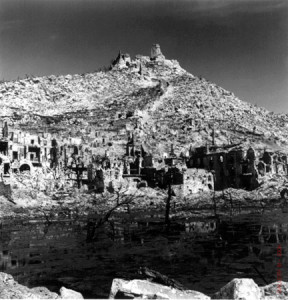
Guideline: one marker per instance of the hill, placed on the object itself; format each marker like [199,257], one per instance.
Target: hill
[156,99]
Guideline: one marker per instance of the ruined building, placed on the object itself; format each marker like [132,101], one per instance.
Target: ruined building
[122,60]
[161,172]
[235,167]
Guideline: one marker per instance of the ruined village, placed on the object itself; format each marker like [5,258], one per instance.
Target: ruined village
[147,140]
[139,136]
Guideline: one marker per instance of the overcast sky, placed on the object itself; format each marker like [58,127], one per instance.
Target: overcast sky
[242,45]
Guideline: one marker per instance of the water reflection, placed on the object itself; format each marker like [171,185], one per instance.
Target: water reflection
[201,226]
[202,253]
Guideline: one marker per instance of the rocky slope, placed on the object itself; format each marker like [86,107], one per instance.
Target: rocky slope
[162,102]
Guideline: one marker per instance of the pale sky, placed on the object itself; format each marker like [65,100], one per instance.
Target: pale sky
[241,45]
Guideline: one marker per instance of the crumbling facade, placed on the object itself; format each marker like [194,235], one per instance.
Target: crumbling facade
[235,167]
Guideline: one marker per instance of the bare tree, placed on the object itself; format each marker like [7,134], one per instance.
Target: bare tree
[120,198]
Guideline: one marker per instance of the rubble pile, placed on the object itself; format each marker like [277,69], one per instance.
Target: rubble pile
[269,189]
[271,186]
[29,202]
[143,289]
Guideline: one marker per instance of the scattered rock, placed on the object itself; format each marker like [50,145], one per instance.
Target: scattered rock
[44,293]
[275,290]
[239,288]
[69,294]
[143,289]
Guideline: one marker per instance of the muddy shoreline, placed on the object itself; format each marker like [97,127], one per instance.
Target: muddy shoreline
[84,207]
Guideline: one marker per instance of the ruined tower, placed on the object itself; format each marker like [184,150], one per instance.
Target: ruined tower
[121,61]
[156,52]
[5,130]
[213,135]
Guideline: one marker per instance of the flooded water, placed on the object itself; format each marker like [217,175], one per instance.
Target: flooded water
[202,253]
